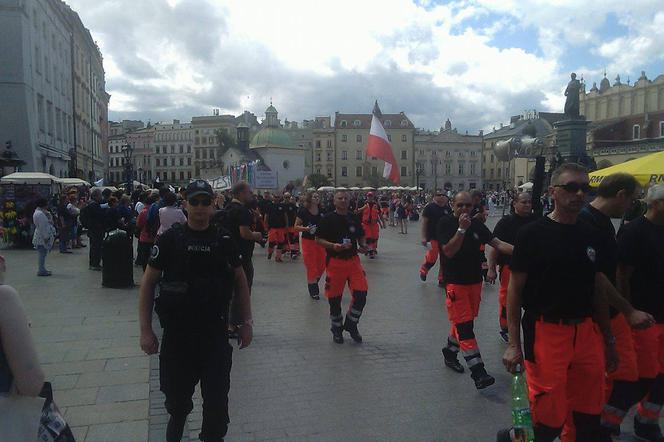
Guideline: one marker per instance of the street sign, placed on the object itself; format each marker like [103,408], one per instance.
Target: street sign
[265,179]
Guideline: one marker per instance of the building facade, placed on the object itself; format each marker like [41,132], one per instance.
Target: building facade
[616,141]
[620,100]
[116,160]
[352,167]
[448,160]
[173,154]
[206,146]
[90,100]
[36,84]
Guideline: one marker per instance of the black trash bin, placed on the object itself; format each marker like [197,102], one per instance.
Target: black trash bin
[117,256]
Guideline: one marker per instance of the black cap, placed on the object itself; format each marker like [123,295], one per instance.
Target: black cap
[199,187]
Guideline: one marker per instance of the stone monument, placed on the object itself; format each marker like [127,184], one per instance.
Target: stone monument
[570,133]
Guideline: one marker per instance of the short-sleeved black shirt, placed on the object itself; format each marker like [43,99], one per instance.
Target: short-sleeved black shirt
[433,212]
[607,252]
[641,245]
[334,228]
[506,230]
[560,260]
[308,220]
[466,266]
[238,215]
[275,215]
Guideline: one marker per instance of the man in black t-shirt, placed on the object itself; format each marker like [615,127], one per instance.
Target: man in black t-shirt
[240,222]
[555,279]
[340,232]
[276,222]
[614,197]
[459,238]
[431,214]
[640,277]
[292,236]
[199,271]
[506,230]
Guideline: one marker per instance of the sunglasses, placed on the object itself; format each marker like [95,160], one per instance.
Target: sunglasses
[203,201]
[574,187]
[461,206]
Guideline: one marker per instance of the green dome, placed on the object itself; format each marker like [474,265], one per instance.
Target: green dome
[272,137]
[271,109]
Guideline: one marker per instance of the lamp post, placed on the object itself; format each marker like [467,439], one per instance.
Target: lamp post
[127,151]
[140,174]
[418,171]
[9,158]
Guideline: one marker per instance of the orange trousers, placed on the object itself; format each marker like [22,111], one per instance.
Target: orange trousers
[314,259]
[463,306]
[565,373]
[649,347]
[430,258]
[505,274]
[371,233]
[342,271]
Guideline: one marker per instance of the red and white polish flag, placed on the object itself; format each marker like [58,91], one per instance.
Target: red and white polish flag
[379,146]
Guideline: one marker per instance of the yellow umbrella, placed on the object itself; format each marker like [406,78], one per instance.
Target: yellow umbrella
[647,170]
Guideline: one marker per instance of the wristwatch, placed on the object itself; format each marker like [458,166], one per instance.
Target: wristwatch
[461,231]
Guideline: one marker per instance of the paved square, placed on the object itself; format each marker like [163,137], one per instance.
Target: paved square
[293,383]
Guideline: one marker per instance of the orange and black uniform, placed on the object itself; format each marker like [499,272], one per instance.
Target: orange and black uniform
[463,288]
[433,213]
[370,219]
[292,236]
[641,246]
[505,231]
[342,267]
[563,350]
[621,387]
[313,254]
[277,229]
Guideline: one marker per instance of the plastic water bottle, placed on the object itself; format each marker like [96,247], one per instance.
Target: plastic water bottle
[521,419]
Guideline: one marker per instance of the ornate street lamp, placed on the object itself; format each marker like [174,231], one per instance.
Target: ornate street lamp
[9,158]
[127,151]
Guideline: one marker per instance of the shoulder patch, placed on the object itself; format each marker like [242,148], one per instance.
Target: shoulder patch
[592,255]
[154,254]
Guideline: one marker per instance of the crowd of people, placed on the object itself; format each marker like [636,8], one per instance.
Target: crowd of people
[579,305]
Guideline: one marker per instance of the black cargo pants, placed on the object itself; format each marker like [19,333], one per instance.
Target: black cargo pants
[186,358]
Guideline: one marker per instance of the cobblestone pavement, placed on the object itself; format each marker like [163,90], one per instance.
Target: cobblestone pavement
[293,382]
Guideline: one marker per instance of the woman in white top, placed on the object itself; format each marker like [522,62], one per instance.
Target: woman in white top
[169,214]
[44,235]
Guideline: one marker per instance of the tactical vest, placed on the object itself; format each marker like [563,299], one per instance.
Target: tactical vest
[189,301]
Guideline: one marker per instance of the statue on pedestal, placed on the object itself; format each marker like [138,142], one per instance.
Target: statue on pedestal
[572,101]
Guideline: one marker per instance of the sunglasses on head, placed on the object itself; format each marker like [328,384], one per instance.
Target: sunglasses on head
[574,187]
[462,205]
[202,201]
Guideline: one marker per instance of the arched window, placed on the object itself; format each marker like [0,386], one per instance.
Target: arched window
[404,123]
[357,123]
[344,123]
[387,123]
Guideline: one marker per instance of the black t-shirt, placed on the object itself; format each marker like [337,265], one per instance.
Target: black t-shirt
[334,228]
[291,213]
[433,213]
[560,260]
[641,245]
[607,252]
[506,230]
[308,220]
[275,215]
[238,215]
[466,266]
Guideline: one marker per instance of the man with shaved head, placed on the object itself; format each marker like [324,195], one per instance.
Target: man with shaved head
[459,238]
[506,230]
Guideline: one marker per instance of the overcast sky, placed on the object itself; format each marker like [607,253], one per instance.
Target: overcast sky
[476,62]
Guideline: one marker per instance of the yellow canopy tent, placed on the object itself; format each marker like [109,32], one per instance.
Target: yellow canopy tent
[647,170]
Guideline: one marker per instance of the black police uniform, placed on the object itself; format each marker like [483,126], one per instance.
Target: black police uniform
[194,297]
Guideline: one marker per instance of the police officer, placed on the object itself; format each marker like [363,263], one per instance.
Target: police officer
[340,232]
[199,272]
